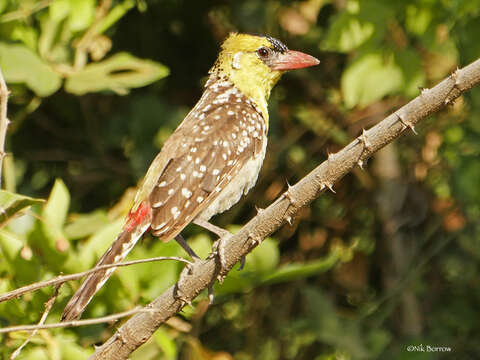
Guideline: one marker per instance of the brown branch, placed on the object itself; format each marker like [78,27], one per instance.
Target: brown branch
[64,278]
[24,12]
[73,323]
[48,307]
[3,120]
[139,328]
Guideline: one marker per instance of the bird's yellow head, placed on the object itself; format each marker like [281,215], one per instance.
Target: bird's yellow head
[255,63]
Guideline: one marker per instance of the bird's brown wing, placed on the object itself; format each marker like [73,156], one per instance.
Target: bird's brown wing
[207,150]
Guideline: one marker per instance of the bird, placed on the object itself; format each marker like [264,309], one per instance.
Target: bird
[211,159]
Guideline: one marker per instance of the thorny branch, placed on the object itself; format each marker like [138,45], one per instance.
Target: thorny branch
[64,278]
[99,320]
[203,274]
[48,307]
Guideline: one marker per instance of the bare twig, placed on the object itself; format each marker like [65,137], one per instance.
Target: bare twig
[73,323]
[203,274]
[3,120]
[64,278]
[24,12]
[48,307]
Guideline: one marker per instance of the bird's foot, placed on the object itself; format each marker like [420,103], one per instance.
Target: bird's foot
[242,263]
[212,228]
[178,294]
[219,251]
[188,270]
[219,245]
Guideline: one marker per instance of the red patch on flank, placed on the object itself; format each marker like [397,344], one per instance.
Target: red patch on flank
[138,217]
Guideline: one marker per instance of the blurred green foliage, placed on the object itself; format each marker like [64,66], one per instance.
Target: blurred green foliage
[390,260]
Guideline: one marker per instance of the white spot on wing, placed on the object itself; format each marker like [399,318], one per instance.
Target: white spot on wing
[186,193]
[159,226]
[175,212]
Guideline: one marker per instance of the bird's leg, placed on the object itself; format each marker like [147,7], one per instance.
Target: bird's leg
[181,241]
[220,245]
[188,269]
[212,228]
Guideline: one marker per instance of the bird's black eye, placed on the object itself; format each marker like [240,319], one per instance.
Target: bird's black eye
[263,52]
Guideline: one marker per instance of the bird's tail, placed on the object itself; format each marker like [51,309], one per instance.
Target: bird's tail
[135,227]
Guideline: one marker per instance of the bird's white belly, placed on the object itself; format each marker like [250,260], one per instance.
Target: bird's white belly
[239,185]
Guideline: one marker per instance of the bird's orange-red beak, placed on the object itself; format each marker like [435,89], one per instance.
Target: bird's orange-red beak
[292,59]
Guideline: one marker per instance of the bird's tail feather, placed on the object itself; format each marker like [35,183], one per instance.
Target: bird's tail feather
[122,245]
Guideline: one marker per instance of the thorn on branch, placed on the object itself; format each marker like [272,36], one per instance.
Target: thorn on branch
[330,187]
[360,164]
[181,297]
[259,210]
[423,90]
[120,336]
[254,240]
[363,138]
[211,295]
[330,156]
[456,77]
[289,196]
[221,278]
[289,220]
[406,124]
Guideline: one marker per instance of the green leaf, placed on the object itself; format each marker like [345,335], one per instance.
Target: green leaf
[262,260]
[201,244]
[301,270]
[418,19]
[23,269]
[119,73]
[82,14]
[10,244]
[25,34]
[94,247]
[85,224]
[12,203]
[370,78]
[3,5]
[166,343]
[412,70]
[343,333]
[59,9]
[48,236]
[21,65]
[347,33]
[168,270]
[56,209]
[70,348]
